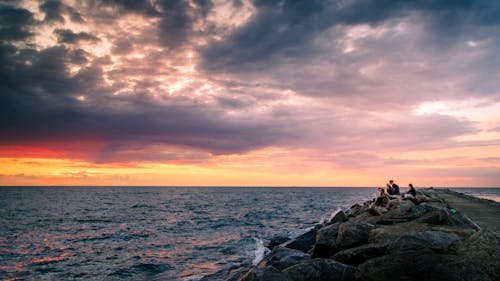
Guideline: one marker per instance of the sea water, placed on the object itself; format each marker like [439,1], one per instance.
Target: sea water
[152,233]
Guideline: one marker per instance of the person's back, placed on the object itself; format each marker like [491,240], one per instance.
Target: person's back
[395,189]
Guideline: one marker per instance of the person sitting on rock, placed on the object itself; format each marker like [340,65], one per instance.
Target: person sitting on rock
[412,193]
[394,188]
[383,198]
[389,189]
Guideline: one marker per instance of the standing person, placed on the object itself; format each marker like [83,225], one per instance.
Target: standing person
[395,187]
[412,193]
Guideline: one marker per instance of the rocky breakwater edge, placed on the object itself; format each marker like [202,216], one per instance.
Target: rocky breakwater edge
[423,238]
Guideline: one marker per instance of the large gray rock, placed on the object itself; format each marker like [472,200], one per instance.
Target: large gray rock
[320,270]
[389,233]
[399,211]
[358,255]
[282,257]
[340,216]
[434,240]
[304,242]
[432,214]
[352,234]
[356,209]
[325,244]
[419,265]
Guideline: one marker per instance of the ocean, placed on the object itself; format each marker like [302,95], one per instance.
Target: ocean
[154,233]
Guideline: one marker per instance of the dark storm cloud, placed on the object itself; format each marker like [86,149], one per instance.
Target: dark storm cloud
[45,100]
[38,104]
[286,28]
[14,23]
[68,36]
[177,19]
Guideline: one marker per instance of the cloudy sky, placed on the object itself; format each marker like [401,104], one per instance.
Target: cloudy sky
[241,92]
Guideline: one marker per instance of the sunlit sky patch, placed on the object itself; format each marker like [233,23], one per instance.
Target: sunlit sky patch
[213,92]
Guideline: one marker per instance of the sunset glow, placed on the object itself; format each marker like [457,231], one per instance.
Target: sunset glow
[249,93]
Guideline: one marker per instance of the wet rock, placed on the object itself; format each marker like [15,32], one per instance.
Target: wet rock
[340,216]
[434,240]
[326,238]
[304,242]
[277,240]
[264,274]
[281,257]
[358,255]
[353,234]
[355,210]
[320,270]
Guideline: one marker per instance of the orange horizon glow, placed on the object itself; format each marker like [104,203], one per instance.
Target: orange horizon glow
[266,167]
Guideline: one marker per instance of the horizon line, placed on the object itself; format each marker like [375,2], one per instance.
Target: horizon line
[238,186]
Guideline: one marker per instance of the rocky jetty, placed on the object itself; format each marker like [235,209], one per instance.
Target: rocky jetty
[422,238]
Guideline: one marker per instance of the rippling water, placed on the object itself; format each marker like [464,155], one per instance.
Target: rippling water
[144,233]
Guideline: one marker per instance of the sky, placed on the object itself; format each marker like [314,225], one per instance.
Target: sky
[250,93]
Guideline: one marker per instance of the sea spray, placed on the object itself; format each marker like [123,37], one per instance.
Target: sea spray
[260,251]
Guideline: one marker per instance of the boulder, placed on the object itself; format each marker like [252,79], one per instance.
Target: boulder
[282,257]
[434,240]
[432,215]
[340,216]
[355,210]
[412,265]
[352,234]
[389,233]
[304,242]
[264,274]
[320,270]
[325,241]
[358,255]
[277,240]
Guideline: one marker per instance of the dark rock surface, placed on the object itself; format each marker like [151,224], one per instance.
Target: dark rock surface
[304,242]
[282,257]
[353,234]
[435,240]
[326,238]
[320,270]
[358,255]
[277,240]
[340,216]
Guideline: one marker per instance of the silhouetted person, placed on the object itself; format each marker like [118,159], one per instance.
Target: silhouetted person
[394,188]
[412,193]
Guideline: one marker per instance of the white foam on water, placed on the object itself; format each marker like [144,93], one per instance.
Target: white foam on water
[260,251]
[322,220]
